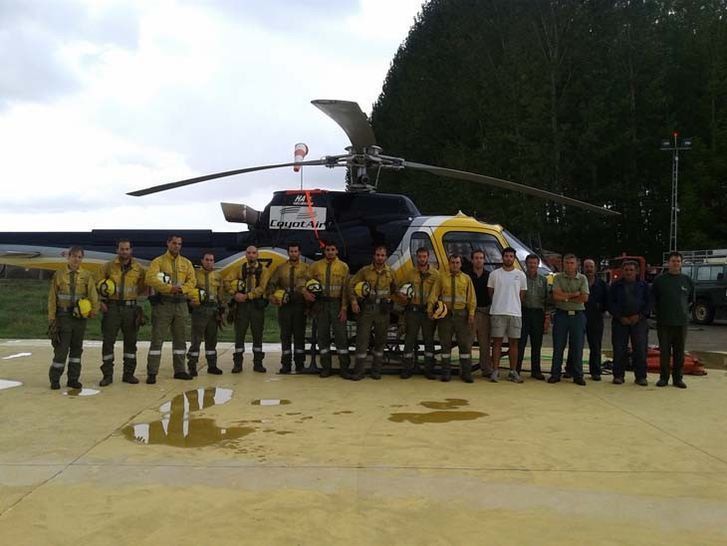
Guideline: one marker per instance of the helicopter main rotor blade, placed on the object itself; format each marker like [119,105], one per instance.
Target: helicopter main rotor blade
[179,184]
[507,185]
[351,119]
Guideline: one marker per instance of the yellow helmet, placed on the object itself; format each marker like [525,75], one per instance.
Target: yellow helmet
[407,290]
[440,310]
[282,296]
[106,287]
[164,277]
[241,285]
[313,286]
[82,308]
[362,289]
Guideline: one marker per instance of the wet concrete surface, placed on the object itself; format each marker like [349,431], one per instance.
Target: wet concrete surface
[537,464]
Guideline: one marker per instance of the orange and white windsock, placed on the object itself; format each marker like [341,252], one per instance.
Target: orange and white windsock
[301,150]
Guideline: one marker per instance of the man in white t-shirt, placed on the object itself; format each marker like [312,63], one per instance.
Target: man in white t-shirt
[507,287]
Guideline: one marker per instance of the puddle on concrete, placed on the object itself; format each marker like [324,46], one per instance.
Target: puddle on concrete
[270,402]
[436,417]
[9,384]
[294,413]
[449,403]
[16,355]
[177,428]
[342,412]
[80,392]
[282,432]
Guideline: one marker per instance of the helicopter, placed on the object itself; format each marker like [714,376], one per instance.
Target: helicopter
[355,219]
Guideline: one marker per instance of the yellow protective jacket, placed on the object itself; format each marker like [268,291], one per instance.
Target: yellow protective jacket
[337,284]
[129,280]
[423,283]
[381,281]
[463,295]
[281,278]
[211,282]
[180,269]
[256,277]
[63,295]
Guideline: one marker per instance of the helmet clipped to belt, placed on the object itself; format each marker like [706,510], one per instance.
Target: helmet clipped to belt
[82,308]
[281,296]
[241,286]
[407,290]
[106,287]
[362,290]
[199,296]
[314,287]
[439,311]
[164,277]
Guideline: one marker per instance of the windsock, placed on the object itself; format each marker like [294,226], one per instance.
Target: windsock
[301,150]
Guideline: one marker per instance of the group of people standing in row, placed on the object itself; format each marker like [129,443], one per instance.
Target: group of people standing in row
[489,306]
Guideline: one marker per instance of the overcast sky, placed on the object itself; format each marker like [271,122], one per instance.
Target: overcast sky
[100,97]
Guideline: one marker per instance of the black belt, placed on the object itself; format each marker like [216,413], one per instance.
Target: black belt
[174,299]
[125,303]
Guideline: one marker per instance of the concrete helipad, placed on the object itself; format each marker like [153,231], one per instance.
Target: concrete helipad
[269,459]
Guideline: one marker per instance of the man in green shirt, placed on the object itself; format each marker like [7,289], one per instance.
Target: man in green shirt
[534,316]
[570,293]
[672,292]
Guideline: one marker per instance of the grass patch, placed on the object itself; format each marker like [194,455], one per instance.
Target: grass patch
[24,314]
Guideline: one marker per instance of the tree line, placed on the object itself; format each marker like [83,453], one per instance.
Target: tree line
[572,96]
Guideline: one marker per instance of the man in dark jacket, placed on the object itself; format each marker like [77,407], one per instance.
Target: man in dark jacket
[629,306]
[595,307]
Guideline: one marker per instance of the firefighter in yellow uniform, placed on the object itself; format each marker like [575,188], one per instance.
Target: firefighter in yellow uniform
[423,279]
[457,292]
[72,299]
[172,278]
[374,310]
[330,308]
[207,307]
[119,303]
[289,280]
[247,287]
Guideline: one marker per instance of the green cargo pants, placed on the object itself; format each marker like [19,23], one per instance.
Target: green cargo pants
[456,324]
[327,315]
[371,316]
[415,320]
[119,317]
[204,327]
[71,330]
[168,315]
[249,315]
[291,319]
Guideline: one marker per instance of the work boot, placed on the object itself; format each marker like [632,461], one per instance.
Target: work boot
[237,368]
[429,369]
[107,379]
[285,369]
[662,382]
[183,376]
[55,385]
[300,367]
[130,378]
[679,383]
[213,369]
[446,371]
[642,382]
[407,370]
[192,370]
[538,375]
[74,384]
[376,369]
[259,368]
[465,371]
[345,373]
[618,381]
[358,369]
[151,379]
[580,381]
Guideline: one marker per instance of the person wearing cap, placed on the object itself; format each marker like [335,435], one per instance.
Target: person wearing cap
[373,312]
[206,311]
[290,278]
[330,308]
[172,278]
[422,278]
[72,298]
[121,311]
[455,289]
[570,293]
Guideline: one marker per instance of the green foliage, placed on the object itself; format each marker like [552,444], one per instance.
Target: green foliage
[571,96]
[24,315]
